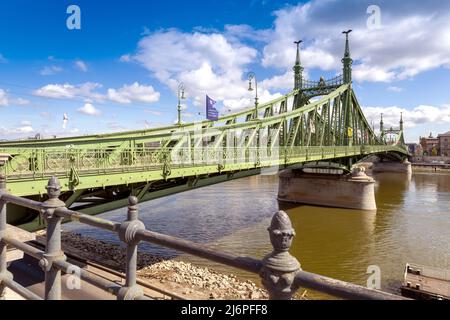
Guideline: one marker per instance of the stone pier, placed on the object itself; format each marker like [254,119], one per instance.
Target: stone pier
[390,166]
[352,191]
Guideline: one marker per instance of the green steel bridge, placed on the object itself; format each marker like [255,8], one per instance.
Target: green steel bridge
[319,121]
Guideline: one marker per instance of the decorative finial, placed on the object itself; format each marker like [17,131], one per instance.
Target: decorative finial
[53,191]
[53,188]
[132,201]
[281,231]
[298,69]
[279,267]
[382,126]
[401,121]
[347,60]
[297,60]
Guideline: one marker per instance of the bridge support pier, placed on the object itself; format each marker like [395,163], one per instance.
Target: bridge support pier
[391,166]
[354,191]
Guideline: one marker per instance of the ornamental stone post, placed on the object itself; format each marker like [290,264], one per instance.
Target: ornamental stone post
[279,267]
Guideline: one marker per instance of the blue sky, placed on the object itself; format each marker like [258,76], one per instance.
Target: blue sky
[121,70]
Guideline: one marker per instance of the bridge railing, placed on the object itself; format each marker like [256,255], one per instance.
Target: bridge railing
[280,272]
[334,82]
[39,163]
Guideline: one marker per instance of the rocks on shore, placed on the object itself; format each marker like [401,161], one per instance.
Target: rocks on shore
[195,281]
[219,285]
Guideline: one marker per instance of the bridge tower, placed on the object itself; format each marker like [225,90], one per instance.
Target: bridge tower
[382,128]
[298,69]
[347,60]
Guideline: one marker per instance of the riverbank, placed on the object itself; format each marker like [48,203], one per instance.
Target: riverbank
[182,278]
[427,167]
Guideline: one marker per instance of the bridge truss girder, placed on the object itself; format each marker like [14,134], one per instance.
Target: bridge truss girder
[289,130]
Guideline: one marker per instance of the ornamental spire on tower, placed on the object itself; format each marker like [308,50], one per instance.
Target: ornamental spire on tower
[401,121]
[298,69]
[347,60]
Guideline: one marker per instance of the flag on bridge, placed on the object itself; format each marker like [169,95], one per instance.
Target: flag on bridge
[211,112]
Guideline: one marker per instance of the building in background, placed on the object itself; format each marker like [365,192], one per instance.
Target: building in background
[444,144]
[430,145]
[415,149]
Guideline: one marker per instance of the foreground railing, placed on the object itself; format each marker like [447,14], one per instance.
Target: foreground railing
[280,272]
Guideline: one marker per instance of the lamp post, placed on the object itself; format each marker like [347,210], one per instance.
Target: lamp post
[180,97]
[251,77]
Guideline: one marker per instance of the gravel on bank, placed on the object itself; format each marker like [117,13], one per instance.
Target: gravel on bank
[184,278]
[217,285]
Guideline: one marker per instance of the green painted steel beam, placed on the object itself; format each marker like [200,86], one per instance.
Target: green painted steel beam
[128,175]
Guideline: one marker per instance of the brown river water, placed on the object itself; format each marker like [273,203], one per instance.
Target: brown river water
[412,224]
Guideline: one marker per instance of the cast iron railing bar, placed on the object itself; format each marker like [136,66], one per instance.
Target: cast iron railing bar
[277,265]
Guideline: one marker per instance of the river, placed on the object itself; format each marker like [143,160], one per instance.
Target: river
[412,224]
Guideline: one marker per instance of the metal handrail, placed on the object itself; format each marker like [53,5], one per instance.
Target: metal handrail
[84,161]
[276,265]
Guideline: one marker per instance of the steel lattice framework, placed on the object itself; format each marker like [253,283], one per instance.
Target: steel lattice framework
[99,172]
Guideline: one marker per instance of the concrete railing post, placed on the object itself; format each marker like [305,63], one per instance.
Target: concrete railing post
[127,234]
[279,267]
[53,251]
[3,263]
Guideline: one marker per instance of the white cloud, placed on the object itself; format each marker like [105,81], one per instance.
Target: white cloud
[413,38]
[395,89]
[88,91]
[56,91]
[420,115]
[25,129]
[125,58]
[246,32]
[205,63]
[50,70]
[21,130]
[81,65]
[68,91]
[21,101]
[135,92]
[280,82]
[3,98]
[89,110]
[263,96]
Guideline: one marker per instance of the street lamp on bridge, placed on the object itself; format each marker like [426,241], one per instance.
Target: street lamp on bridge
[180,97]
[251,77]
